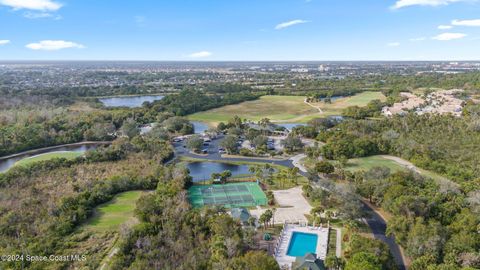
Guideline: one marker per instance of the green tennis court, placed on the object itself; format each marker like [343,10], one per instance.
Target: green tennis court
[228,195]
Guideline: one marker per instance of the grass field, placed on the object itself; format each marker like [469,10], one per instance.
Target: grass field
[360,100]
[109,216]
[367,163]
[48,156]
[286,109]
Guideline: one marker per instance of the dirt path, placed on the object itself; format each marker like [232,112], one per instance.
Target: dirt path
[403,162]
[107,259]
[313,106]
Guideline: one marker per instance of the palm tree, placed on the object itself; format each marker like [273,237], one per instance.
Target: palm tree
[274,209]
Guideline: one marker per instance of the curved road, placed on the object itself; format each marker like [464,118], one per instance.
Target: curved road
[376,223]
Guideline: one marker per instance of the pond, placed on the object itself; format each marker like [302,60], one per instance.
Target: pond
[201,171]
[200,127]
[128,101]
[334,98]
[6,164]
[290,126]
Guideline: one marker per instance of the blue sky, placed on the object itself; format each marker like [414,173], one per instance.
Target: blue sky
[239,30]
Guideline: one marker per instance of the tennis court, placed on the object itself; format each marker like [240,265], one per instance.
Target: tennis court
[228,195]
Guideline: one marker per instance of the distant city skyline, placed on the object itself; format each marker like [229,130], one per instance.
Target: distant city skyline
[247,30]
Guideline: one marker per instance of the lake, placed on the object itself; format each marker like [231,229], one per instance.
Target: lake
[128,101]
[200,127]
[6,164]
[201,171]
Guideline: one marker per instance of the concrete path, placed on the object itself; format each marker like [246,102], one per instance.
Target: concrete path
[338,251]
[296,161]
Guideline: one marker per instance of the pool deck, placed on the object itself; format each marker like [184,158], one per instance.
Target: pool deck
[281,253]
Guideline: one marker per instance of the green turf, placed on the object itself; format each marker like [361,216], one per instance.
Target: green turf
[287,109]
[198,199]
[109,216]
[367,163]
[48,156]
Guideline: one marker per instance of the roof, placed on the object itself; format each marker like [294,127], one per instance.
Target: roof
[309,262]
[240,214]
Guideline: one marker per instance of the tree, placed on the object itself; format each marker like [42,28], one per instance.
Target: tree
[324,167]
[364,261]
[256,260]
[316,212]
[292,143]
[266,217]
[260,141]
[130,128]
[230,144]
[334,263]
[194,143]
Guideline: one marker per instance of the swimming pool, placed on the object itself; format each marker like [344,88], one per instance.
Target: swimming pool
[301,244]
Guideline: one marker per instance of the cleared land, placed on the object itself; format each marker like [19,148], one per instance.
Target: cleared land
[393,163]
[48,156]
[367,163]
[286,109]
[109,216]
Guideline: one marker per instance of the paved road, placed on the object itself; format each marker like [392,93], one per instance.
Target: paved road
[374,221]
[379,227]
[214,155]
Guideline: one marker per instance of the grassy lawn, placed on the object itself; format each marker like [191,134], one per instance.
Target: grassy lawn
[367,163]
[48,156]
[109,216]
[287,109]
[276,108]
[361,100]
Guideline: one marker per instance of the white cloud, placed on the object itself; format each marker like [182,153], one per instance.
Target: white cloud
[418,39]
[449,36]
[4,41]
[466,22]
[393,44]
[407,3]
[445,27]
[41,15]
[201,54]
[54,45]
[289,23]
[43,5]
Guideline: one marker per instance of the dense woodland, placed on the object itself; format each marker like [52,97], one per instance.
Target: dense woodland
[435,222]
[445,144]
[36,128]
[172,235]
[42,205]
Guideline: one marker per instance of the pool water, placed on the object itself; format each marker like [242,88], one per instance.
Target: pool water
[302,243]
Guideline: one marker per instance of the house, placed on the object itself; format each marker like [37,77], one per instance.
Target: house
[308,262]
